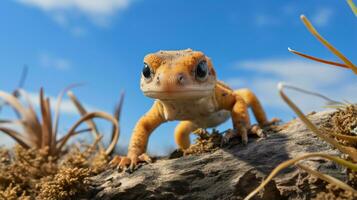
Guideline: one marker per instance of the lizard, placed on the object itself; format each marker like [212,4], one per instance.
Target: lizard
[185,88]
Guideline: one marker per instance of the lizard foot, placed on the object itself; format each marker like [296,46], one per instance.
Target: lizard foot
[257,130]
[129,163]
[273,121]
[232,134]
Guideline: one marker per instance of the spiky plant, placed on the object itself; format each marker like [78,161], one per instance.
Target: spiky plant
[351,162]
[41,131]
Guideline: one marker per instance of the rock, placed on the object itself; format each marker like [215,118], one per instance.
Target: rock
[228,173]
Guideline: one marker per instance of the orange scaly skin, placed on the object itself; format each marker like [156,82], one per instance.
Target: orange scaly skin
[194,97]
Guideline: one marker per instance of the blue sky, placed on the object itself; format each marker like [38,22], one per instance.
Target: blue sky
[102,43]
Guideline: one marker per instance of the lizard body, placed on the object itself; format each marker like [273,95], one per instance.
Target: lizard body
[185,88]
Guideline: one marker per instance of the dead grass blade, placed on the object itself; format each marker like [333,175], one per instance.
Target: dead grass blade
[30,124]
[353,6]
[318,59]
[76,133]
[83,112]
[46,129]
[327,178]
[57,110]
[27,99]
[329,101]
[314,32]
[347,150]
[117,112]
[337,106]
[295,160]
[32,119]
[13,102]
[24,74]
[16,136]
[348,138]
[90,116]
[5,121]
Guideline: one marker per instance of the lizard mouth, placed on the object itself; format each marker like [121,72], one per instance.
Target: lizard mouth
[181,94]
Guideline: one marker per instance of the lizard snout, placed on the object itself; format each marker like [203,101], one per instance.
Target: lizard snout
[173,80]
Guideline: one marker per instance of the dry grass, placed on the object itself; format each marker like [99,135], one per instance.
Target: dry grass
[42,132]
[343,126]
[41,166]
[335,193]
[205,142]
[68,183]
[33,174]
[353,6]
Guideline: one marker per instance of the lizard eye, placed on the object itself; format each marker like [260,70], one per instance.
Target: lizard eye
[147,72]
[201,71]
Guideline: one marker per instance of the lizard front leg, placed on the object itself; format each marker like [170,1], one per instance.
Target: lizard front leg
[240,118]
[139,139]
[239,111]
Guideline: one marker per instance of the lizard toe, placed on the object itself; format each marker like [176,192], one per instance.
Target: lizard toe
[145,158]
[115,161]
[257,130]
[124,162]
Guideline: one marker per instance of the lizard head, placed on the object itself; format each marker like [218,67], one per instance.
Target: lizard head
[176,75]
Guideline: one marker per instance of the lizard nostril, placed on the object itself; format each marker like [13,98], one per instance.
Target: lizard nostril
[180,78]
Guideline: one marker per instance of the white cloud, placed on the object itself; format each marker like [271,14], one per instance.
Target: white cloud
[68,12]
[322,17]
[64,22]
[88,7]
[302,72]
[49,61]
[265,75]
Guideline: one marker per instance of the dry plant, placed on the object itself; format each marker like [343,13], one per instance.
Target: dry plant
[205,142]
[351,152]
[353,6]
[32,174]
[42,132]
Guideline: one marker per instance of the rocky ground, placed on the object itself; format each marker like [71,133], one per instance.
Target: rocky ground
[227,173]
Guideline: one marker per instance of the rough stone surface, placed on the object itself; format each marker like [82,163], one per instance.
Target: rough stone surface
[229,173]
